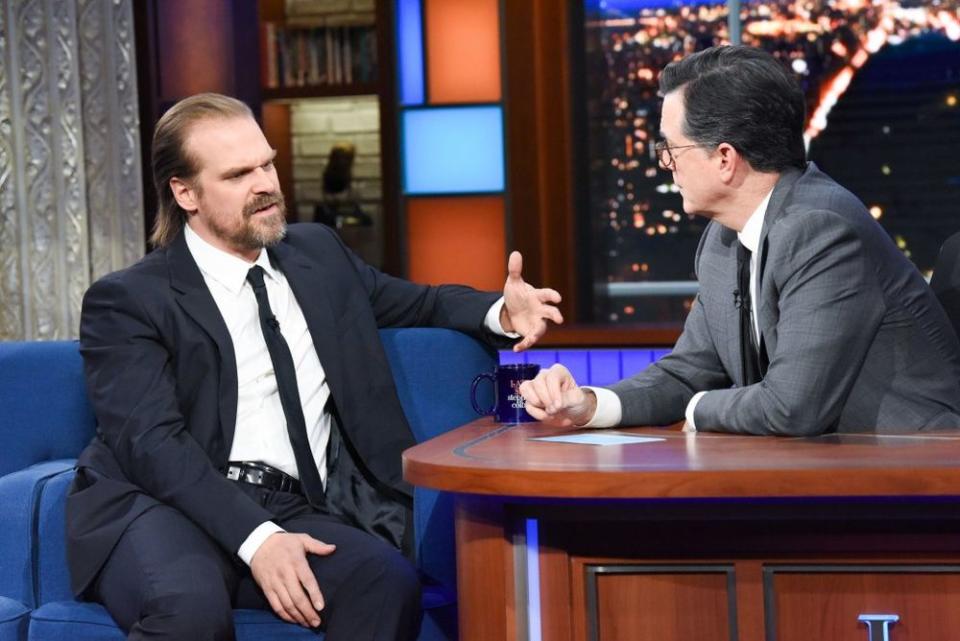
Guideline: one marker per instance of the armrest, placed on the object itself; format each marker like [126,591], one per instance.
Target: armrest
[20,495]
[433,370]
[14,620]
[51,572]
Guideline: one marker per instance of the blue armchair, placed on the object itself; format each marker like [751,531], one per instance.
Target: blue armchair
[45,420]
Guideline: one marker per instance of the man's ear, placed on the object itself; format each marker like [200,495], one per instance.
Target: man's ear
[184,194]
[729,160]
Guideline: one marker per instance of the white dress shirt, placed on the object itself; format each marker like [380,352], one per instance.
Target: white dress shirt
[610,410]
[261,427]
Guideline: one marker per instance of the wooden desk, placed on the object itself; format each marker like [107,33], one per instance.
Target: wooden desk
[702,537]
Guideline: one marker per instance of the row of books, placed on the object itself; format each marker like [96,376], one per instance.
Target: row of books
[317,56]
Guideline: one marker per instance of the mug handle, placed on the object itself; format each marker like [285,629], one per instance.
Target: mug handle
[473,394]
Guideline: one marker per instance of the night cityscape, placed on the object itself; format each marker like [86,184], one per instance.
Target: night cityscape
[882,82]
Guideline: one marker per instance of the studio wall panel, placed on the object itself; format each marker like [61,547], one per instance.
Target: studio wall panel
[457,240]
[453,150]
[463,50]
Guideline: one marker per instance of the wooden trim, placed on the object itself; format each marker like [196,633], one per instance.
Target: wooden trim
[611,336]
[586,573]
[275,118]
[484,558]
[393,238]
[273,11]
[500,459]
[537,124]
[559,605]
[750,623]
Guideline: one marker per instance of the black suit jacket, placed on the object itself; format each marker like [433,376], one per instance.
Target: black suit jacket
[162,378]
[946,280]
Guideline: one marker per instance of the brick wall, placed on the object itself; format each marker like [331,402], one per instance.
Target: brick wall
[331,12]
[316,125]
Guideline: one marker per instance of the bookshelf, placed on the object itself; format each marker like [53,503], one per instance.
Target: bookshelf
[324,56]
[326,78]
[331,91]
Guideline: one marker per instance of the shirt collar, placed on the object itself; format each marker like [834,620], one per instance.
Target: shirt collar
[749,236]
[227,269]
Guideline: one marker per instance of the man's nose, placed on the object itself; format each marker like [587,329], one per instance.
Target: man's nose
[263,181]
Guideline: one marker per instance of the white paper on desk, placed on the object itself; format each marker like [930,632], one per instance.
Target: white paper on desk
[587,438]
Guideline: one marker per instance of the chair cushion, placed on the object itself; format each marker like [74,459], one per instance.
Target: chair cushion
[433,369]
[14,617]
[75,621]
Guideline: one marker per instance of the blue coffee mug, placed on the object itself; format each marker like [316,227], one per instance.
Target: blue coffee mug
[508,406]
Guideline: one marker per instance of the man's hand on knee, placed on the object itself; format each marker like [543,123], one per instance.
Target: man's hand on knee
[281,570]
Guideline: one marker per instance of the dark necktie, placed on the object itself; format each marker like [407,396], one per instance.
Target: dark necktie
[286,374]
[749,357]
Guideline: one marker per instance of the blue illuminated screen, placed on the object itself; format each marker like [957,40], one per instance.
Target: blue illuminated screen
[453,150]
[410,34]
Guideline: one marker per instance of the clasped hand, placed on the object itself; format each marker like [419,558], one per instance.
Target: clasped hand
[281,570]
[555,398]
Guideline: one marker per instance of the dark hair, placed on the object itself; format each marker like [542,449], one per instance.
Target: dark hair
[744,97]
[171,160]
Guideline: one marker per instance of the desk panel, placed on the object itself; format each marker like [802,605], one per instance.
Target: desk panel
[703,536]
[824,602]
[653,602]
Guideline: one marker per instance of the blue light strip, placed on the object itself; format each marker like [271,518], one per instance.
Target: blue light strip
[591,366]
[533,580]
[410,51]
[453,150]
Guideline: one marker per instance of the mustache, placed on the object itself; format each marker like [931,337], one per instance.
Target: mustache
[261,202]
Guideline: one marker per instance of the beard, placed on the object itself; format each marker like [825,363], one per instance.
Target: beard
[256,232]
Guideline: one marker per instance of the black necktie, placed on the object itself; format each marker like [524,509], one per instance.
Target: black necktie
[287,385]
[749,357]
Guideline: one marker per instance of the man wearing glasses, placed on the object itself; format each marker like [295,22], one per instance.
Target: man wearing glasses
[808,318]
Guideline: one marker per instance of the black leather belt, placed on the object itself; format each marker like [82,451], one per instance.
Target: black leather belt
[263,475]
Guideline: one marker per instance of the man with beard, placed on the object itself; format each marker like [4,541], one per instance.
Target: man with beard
[249,433]
[808,318]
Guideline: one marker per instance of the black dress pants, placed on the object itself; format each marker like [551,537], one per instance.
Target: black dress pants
[166,579]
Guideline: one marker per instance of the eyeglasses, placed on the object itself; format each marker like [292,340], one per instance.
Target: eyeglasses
[665,156]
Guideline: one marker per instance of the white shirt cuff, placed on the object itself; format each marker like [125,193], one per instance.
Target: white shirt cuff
[691,406]
[256,539]
[492,320]
[609,409]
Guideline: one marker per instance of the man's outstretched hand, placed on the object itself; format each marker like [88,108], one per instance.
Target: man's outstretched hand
[281,570]
[526,309]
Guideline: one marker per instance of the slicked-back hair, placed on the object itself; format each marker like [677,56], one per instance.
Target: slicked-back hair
[171,160]
[744,97]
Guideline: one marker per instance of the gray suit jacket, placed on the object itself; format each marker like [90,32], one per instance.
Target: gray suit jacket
[855,339]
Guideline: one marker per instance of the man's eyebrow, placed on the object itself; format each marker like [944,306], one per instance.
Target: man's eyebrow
[239,171]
